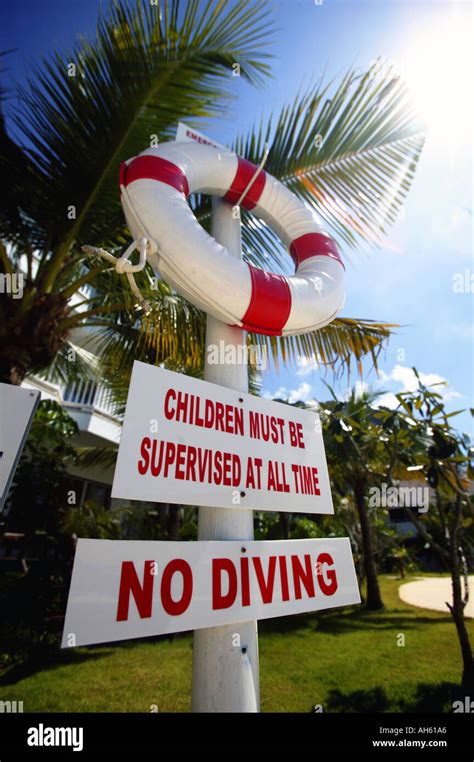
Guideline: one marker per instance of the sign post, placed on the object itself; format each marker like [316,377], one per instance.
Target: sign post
[225,659]
[211,443]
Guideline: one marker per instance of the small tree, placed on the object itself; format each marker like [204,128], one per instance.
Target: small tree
[419,435]
[401,557]
[352,446]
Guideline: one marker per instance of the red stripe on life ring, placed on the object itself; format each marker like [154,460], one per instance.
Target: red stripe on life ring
[245,172]
[270,303]
[155,168]
[314,245]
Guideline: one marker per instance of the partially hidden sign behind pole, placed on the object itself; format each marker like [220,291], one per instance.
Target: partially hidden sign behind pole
[189,134]
[17,408]
[132,589]
[195,443]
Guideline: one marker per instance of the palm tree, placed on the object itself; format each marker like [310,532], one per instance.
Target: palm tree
[351,153]
[352,443]
[401,557]
[419,433]
[77,119]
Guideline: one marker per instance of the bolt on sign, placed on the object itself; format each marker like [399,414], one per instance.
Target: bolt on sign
[195,443]
[125,589]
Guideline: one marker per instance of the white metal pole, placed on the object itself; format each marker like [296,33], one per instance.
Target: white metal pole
[225,659]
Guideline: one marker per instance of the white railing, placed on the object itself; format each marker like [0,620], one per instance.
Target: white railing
[90,394]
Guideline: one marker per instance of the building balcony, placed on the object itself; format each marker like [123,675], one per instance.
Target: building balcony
[88,403]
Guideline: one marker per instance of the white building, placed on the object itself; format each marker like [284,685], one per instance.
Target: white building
[89,404]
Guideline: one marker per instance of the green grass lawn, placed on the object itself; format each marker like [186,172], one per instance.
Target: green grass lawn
[344,659]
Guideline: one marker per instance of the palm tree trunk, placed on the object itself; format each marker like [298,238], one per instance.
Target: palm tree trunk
[174,522]
[285,524]
[374,600]
[29,341]
[15,361]
[10,374]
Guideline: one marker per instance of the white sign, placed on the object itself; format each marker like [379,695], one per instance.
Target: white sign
[123,589]
[187,134]
[17,407]
[192,442]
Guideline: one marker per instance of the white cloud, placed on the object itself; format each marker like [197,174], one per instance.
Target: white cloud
[307,365]
[382,376]
[360,388]
[407,382]
[280,393]
[387,400]
[301,394]
[407,378]
[399,379]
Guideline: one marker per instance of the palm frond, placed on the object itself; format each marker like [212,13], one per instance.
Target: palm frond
[97,457]
[72,362]
[351,154]
[336,346]
[173,331]
[149,66]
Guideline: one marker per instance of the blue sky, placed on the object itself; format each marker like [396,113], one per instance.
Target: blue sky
[421,277]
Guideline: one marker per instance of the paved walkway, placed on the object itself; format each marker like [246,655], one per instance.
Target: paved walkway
[433,592]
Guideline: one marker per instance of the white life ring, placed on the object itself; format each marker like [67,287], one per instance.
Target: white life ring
[154,190]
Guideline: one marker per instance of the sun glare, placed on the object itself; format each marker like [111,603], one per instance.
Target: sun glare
[438,66]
